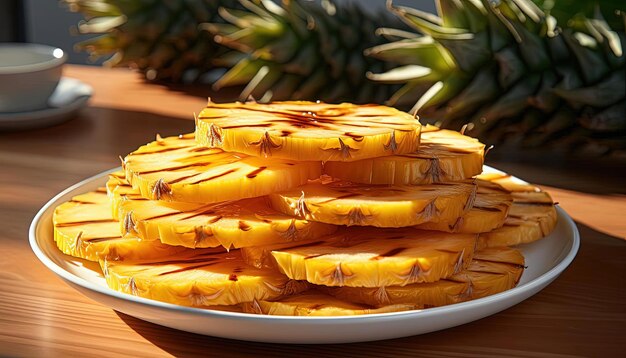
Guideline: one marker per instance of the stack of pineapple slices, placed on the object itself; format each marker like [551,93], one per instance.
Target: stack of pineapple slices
[303,208]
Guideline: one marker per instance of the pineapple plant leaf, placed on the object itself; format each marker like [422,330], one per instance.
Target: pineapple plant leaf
[509,71]
[301,50]
[159,38]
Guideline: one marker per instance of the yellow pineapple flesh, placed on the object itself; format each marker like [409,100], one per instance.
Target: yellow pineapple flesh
[531,217]
[345,203]
[488,212]
[175,169]
[198,278]
[492,271]
[443,156]
[85,228]
[232,224]
[308,131]
[314,303]
[365,257]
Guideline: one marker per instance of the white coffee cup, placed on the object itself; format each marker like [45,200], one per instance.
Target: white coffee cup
[29,73]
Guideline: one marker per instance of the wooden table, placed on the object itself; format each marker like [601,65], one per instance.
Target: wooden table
[583,313]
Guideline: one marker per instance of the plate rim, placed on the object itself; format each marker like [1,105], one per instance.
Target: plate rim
[543,279]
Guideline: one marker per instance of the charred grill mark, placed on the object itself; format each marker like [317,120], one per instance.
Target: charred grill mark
[99,239]
[486,208]
[200,149]
[534,203]
[355,137]
[85,222]
[243,226]
[173,169]
[238,270]
[188,268]
[204,258]
[215,176]
[499,262]
[350,195]
[161,216]
[308,257]
[82,202]
[255,172]
[389,253]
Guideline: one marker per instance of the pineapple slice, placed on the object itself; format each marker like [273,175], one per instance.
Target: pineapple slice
[85,228]
[198,278]
[234,224]
[175,169]
[119,190]
[492,271]
[344,203]
[307,131]
[532,215]
[489,211]
[365,257]
[313,303]
[443,156]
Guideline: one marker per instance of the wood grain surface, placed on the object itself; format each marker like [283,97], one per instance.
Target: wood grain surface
[581,314]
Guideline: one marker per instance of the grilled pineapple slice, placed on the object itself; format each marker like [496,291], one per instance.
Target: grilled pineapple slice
[532,215]
[308,131]
[345,203]
[198,278]
[365,257]
[232,224]
[443,156]
[314,303]
[85,228]
[492,271]
[488,212]
[175,169]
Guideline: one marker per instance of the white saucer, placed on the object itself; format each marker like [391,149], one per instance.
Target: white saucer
[546,259]
[70,96]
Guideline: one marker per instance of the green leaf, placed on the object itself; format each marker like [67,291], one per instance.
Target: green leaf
[262,81]
[469,54]
[440,92]
[545,98]
[452,13]
[591,63]
[481,89]
[603,94]
[508,105]
[610,119]
[422,51]
[510,67]
[404,74]
[240,74]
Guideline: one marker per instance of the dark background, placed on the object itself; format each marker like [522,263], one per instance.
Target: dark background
[48,22]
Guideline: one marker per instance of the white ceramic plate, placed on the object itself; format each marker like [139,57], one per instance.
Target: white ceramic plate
[545,259]
[68,98]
